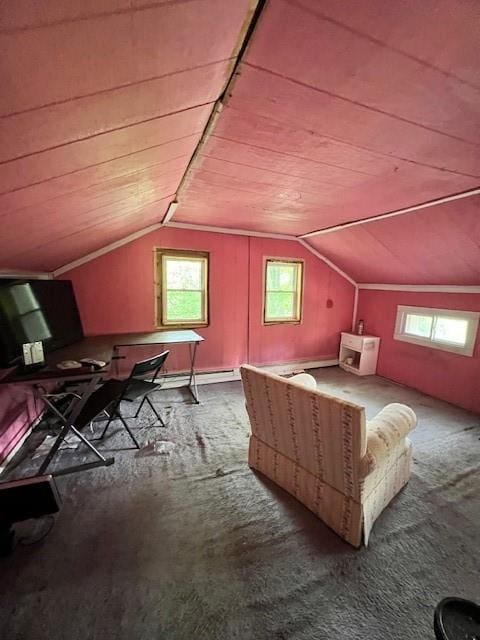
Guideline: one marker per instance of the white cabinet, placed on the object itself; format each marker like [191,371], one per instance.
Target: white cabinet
[359,354]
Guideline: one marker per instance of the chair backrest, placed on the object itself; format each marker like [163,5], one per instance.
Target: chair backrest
[323,434]
[150,365]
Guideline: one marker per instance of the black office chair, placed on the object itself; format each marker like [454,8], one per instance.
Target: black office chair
[113,392]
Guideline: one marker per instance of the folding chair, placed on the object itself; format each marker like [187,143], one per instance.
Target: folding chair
[130,390]
[107,399]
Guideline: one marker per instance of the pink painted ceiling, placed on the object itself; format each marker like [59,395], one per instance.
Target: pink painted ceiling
[103,103]
[438,245]
[345,110]
[338,111]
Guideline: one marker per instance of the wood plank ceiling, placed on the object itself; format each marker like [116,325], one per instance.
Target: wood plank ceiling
[102,106]
[338,111]
[345,110]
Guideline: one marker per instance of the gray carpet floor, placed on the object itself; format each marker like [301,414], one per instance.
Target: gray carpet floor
[194,545]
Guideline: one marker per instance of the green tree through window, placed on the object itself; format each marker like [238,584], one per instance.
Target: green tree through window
[182,278]
[283,290]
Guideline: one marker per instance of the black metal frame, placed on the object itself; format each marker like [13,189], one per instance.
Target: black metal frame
[193,390]
[191,385]
[154,364]
[68,426]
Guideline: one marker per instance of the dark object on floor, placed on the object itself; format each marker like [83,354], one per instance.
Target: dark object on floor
[457,619]
[24,499]
[114,392]
[158,547]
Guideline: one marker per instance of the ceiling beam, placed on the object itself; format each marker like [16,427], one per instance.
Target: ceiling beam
[392,214]
[255,10]
[331,264]
[205,228]
[227,230]
[172,207]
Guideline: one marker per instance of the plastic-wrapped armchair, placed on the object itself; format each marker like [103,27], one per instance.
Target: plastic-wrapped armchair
[321,450]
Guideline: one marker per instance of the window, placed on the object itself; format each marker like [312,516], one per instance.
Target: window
[182,288]
[26,315]
[446,329]
[283,291]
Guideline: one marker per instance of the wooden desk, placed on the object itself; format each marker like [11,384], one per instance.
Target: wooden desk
[107,348]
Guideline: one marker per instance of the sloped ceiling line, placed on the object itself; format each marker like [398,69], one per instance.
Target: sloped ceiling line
[88,228]
[206,229]
[132,76]
[324,17]
[362,105]
[79,15]
[105,132]
[247,31]
[290,155]
[391,155]
[392,214]
[99,164]
[374,103]
[136,83]
[326,88]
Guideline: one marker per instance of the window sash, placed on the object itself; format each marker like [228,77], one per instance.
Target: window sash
[296,293]
[163,256]
[433,340]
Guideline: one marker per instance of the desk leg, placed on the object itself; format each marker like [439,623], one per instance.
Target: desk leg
[55,447]
[192,383]
[68,426]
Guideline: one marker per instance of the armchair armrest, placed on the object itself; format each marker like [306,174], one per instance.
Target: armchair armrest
[387,430]
[304,378]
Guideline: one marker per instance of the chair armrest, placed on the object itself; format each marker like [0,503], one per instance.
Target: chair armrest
[388,429]
[304,378]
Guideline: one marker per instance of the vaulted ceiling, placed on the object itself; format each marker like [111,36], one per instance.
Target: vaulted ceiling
[102,105]
[336,112]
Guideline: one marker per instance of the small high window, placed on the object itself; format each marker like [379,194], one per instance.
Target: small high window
[182,288]
[283,291]
[447,329]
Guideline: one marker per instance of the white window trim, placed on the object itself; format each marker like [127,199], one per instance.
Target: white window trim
[471,316]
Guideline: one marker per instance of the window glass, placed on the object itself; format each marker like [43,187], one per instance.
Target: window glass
[283,291]
[183,295]
[183,273]
[447,329]
[418,325]
[452,330]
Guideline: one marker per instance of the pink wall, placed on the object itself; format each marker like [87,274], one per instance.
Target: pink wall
[18,410]
[445,375]
[319,334]
[116,294]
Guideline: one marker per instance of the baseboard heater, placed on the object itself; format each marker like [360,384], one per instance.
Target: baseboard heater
[173,380]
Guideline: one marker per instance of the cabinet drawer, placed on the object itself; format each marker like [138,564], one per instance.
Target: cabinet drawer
[352,341]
